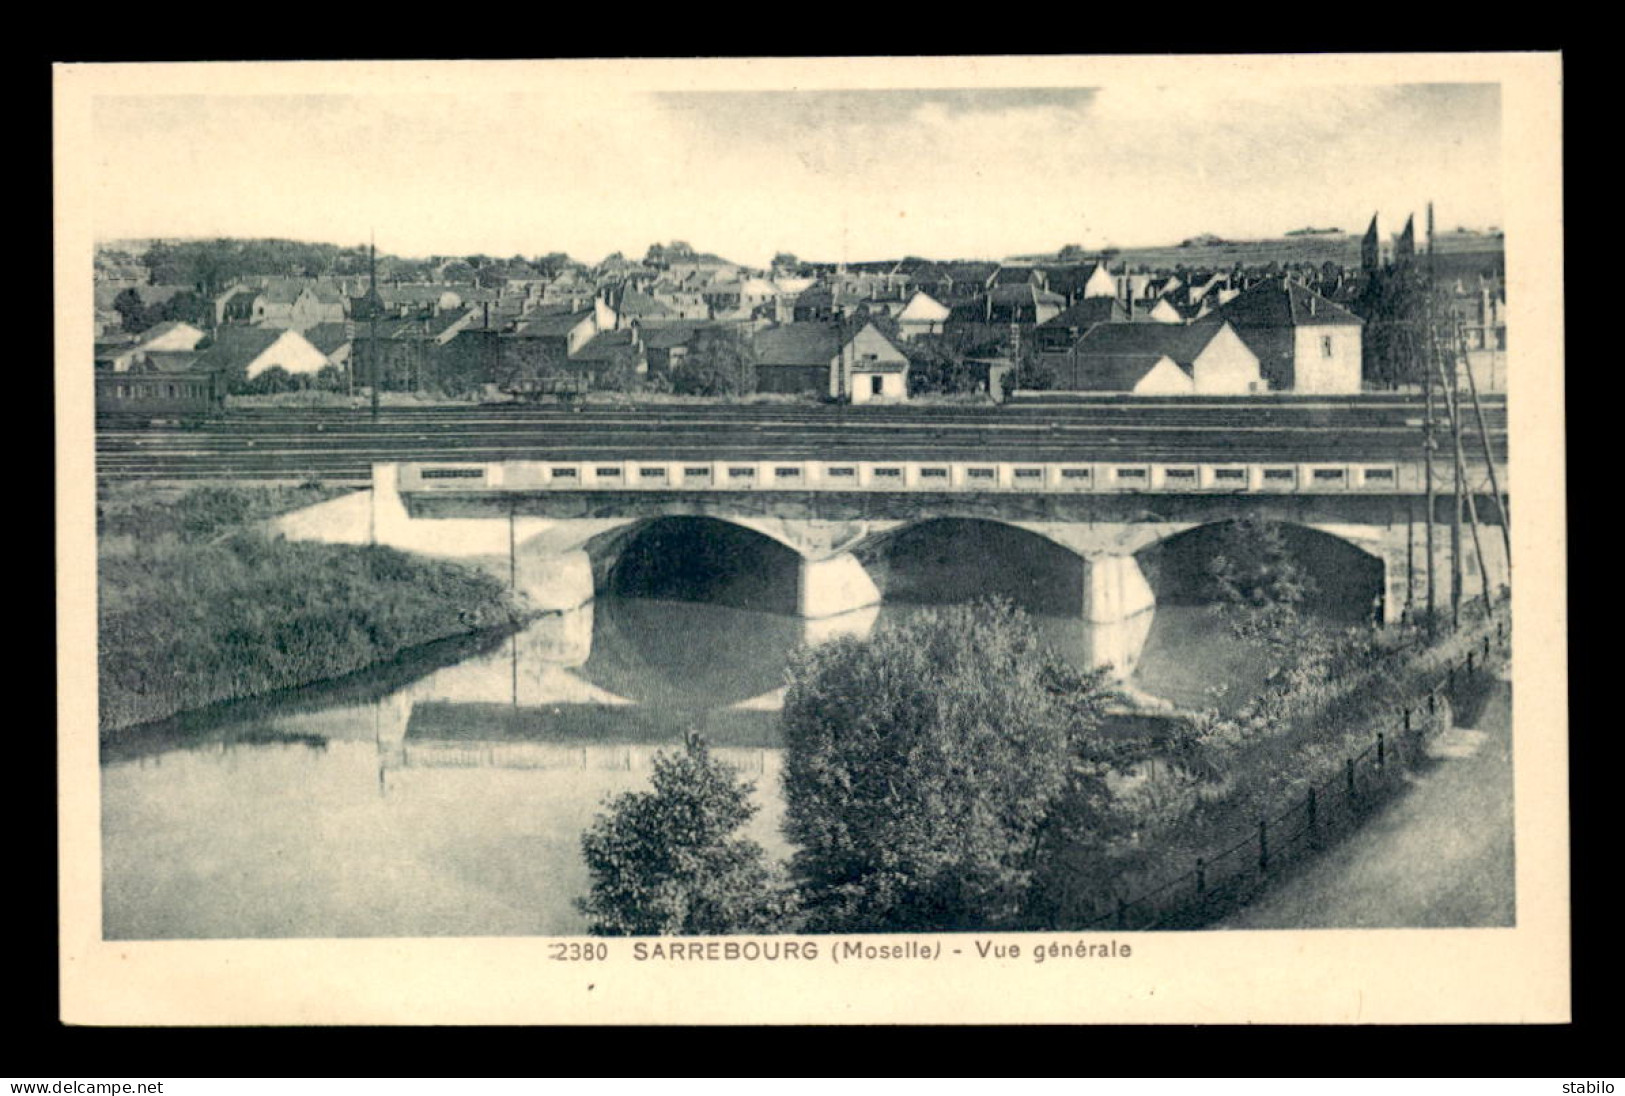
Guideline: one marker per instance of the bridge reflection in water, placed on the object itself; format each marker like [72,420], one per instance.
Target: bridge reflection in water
[610,685]
[454,806]
[607,686]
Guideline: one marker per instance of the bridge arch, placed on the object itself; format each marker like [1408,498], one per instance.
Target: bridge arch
[1346,579]
[941,560]
[687,557]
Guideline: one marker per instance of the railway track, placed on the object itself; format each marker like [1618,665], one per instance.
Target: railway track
[343,444]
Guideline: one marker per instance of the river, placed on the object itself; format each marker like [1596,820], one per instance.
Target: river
[450,800]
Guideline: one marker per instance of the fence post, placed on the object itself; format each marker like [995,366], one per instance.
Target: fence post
[1201,877]
[1122,914]
[1263,846]
[1407,721]
[1348,771]
[1314,837]
[1469,664]
[1450,680]
[1382,751]
[1433,703]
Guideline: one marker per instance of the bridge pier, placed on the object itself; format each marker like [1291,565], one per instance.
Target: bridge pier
[1118,606]
[834,586]
[558,582]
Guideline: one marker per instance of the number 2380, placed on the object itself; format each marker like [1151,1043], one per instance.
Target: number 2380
[575,953]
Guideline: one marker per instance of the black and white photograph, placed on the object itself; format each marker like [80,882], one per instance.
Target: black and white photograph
[905,526]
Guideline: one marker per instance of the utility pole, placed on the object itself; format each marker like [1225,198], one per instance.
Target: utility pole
[1447,383]
[372,313]
[1489,457]
[1428,444]
[1472,507]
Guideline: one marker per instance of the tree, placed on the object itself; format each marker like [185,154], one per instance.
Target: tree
[185,306]
[1256,581]
[271,381]
[719,362]
[669,861]
[1033,373]
[1394,304]
[132,310]
[552,264]
[921,765]
[937,365]
[1071,253]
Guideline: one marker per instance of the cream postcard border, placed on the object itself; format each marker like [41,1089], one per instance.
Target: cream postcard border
[1414,976]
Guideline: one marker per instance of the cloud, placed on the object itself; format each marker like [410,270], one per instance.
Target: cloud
[937,172]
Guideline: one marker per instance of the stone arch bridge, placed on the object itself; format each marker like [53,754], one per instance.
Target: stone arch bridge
[558,529]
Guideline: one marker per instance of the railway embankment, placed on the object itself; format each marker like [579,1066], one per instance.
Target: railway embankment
[198,604]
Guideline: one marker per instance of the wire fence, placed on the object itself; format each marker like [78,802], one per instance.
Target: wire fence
[1225,880]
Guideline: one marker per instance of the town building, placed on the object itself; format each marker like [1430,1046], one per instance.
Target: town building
[1304,342]
[243,353]
[1151,359]
[168,337]
[297,305]
[836,360]
[922,315]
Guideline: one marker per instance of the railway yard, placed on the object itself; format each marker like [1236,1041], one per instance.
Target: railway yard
[341,445]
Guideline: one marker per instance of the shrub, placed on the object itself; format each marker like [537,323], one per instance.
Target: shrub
[669,861]
[922,764]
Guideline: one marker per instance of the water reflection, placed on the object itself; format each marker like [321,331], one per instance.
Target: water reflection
[454,804]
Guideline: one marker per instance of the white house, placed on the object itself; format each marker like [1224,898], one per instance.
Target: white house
[168,337]
[820,357]
[922,315]
[250,351]
[1205,359]
[876,370]
[1154,310]
[1304,342]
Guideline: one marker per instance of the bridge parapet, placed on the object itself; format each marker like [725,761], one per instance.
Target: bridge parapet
[955,476]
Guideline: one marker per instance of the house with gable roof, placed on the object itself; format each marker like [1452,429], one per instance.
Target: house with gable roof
[1304,342]
[169,337]
[922,315]
[830,359]
[1081,280]
[1205,359]
[243,353]
[296,305]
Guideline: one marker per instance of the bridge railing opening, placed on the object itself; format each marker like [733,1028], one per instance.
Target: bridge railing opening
[913,476]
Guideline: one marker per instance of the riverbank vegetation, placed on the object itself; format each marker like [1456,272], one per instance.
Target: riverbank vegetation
[952,774]
[923,765]
[198,605]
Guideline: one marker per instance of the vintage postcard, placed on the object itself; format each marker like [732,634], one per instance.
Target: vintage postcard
[946,540]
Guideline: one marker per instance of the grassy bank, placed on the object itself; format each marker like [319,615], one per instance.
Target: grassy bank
[197,605]
[1226,772]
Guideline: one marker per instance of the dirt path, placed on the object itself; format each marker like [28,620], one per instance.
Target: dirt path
[1439,856]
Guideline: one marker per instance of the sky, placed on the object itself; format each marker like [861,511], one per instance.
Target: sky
[984,172]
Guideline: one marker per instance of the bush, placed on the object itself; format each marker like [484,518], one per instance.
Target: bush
[921,766]
[270,382]
[669,861]
[195,607]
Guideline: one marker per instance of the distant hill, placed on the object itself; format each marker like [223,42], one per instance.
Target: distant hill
[1455,252]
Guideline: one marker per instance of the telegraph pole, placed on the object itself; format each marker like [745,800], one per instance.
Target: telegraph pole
[1455,482]
[1489,457]
[372,314]
[1472,507]
[1428,444]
